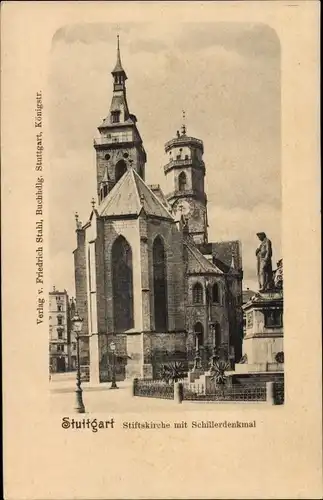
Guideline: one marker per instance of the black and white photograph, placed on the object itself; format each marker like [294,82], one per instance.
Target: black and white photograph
[161,258]
[165,216]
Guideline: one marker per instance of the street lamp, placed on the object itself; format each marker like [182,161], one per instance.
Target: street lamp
[113,350]
[77,322]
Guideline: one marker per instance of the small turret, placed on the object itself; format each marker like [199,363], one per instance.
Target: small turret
[185,172]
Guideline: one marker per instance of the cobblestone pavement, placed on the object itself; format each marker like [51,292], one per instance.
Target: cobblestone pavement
[100,399]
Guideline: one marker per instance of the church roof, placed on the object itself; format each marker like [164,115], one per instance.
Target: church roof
[160,195]
[130,196]
[229,253]
[197,263]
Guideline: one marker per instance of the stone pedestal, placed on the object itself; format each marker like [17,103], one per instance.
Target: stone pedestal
[264,332]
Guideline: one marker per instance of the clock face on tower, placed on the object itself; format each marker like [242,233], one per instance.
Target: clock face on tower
[182,207]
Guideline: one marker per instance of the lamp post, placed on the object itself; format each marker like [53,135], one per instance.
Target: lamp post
[77,322]
[113,350]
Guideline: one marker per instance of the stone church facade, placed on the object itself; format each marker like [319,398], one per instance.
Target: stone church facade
[146,276]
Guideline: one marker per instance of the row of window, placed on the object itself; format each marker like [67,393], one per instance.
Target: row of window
[198,296]
[60,332]
[61,347]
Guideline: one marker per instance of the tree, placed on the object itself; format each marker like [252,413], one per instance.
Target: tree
[218,372]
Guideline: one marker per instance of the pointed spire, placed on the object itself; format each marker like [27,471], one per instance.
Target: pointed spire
[118,67]
[232,265]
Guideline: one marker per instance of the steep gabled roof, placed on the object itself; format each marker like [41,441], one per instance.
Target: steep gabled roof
[229,252]
[130,196]
[160,195]
[197,263]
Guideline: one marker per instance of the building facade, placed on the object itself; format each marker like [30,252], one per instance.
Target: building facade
[146,276]
[62,345]
[59,330]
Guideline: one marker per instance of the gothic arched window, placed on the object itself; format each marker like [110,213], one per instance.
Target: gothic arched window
[160,285]
[120,169]
[197,293]
[182,182]
[122,285]
[215,293]
[199,330]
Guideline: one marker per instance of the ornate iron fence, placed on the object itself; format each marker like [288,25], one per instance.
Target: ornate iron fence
[153,389]
[195,392]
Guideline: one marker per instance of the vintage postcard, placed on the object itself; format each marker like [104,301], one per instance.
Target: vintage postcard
[161,250]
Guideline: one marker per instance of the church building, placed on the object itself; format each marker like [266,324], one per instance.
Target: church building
[147,278]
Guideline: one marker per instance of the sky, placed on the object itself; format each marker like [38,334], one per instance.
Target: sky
[226,76]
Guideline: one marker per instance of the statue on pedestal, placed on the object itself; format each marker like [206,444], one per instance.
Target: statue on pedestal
[264,264]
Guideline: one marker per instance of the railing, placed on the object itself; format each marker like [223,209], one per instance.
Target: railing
[183,139]
[99,141]
[153,389]
[181,163]
[187,192]
[196,392]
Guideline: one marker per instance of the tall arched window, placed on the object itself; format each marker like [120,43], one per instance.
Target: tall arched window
[182,182]
[122,285]
[199,330]
[215,293]
[160,285]
[197,293]
[120,169]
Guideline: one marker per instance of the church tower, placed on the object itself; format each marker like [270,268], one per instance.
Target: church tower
[119,145]
[185,173]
